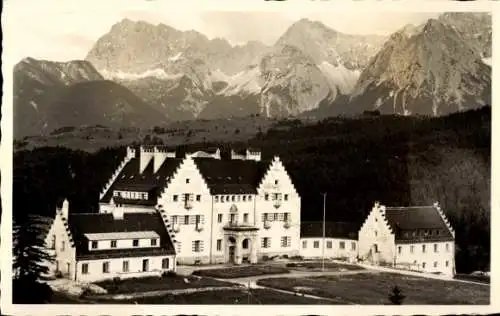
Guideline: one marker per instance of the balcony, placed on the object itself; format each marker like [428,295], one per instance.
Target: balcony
[237,226]
[267,224]
[199,227]
[176,227]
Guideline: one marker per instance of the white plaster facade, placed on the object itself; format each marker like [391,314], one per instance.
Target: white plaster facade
[419,251]
[210,227]
[334,248]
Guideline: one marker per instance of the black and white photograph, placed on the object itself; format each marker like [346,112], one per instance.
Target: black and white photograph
[225,157]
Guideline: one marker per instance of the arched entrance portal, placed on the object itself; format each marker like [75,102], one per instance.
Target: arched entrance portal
[231,241]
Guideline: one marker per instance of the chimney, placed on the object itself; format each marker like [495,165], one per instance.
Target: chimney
[146,154]
[130,153]
[65,208]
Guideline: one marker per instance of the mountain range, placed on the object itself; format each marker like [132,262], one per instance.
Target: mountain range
[140,74]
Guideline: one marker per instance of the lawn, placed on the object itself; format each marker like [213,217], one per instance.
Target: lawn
[239,297]
[317,266]
[158,283]
[242,272]
[374,288]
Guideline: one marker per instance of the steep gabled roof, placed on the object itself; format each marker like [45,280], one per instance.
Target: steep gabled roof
[422,223]
[147,181]
[224,176]
[340,230]
[81,224]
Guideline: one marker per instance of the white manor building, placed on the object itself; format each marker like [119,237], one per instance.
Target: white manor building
[158,210]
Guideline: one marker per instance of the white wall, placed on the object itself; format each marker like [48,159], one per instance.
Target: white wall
[95,268]
[414,260]
[188,233]
[292,205]
[124,243]
[334,252]
[375,230]
[64,257]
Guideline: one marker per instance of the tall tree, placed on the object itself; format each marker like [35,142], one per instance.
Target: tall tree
[31,260]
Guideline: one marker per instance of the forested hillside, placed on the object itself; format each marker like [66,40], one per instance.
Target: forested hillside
[392,159]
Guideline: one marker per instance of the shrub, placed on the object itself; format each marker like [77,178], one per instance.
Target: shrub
[169,274]
[396,297]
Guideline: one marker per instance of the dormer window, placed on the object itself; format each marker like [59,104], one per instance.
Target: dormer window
[244,198]
[94,245]
[198,198]
[227,198]
[135,242]
[233,198]
[187,180]
[113,244]
[216,198]
[153,242]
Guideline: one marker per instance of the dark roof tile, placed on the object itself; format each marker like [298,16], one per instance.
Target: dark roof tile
[341,230]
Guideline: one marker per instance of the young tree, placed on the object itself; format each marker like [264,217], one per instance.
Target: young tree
[396,297]
[31,260]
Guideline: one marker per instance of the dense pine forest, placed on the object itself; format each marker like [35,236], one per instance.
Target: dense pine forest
[356,161]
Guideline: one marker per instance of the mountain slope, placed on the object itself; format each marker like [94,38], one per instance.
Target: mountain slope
[34,82]
[49,95]
[432,69]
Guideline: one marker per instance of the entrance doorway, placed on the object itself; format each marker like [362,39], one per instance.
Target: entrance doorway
[231,254]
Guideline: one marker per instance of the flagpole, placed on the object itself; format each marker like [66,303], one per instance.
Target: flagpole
[324,221]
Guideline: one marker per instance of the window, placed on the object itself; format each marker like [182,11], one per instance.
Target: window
[165,263]
[63,245]
[329,244]
[219,244]
[174,219]
[375,247]
[94,245]
[244,198]
[216,198]
[219,218]
[85,268]
[198,219]
[304,244]
[198,198]
[176,198]
[145,265]
[187,180]
[125,267]
[186,219]
[105,267]
[435,247]
[286,197]
[244,245]
[435,264]
[286,217]
[285,241]
[342,245]
[411,248]
[233,219]
[135,242]
[249,198]
[233,198]
[265,242]
[245,217]
[353,245]
[399,249]
[239,197]
[446,264]
[423,248]
[276,217]
[153,242]
[376,233]
[423,265]
[227,198]
[266,197]
[113,244]
[53,243]
[276,182]
[197,246]
[316,244]
[447,247]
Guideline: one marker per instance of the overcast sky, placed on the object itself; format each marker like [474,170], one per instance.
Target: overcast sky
[69,33]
